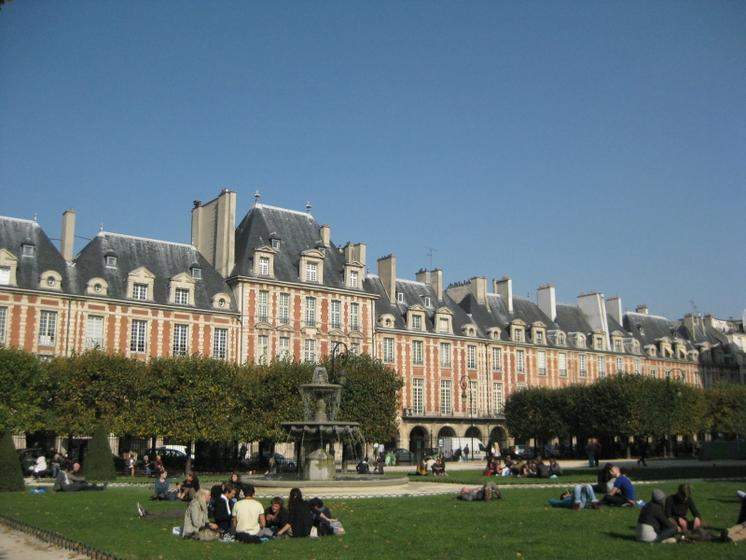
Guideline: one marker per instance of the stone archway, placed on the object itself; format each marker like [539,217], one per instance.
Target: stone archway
[418,442]
[444,432]
[498,441]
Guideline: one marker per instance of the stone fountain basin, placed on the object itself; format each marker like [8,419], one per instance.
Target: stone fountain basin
[341,480]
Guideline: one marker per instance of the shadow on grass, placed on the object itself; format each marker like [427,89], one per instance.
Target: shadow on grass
[621,536]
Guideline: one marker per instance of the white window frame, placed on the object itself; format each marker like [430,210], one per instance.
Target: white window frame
[417,321]
[180,340]
[562,364]
[472,397]
[418,395]
[312,271]
[418,352]
[619,365]
[181,296]
[352,279]
[354,316]
[519,334]
[309,350]
[582,365]
[262,349]
[541,362]
[335,315]
[283,348]
[310,311]
[220,343]
[471,357]
[444,325]
[601,364]
[139,291]
[47,328]
[94,332]
[520,361]
[399,297]
[498,400]
[446,355]
[263,266]
[497,358]
[284,308]
[262,306]
[4,276]
[139,336]
[638,367]
[196,272]
[388,350]
[3,323]
[446,397]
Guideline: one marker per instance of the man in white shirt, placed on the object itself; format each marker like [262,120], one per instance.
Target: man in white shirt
[249,522]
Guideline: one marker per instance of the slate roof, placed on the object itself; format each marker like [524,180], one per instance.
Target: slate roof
[297,231]
[570,318]
[649,328]
[163,258]
[13,234]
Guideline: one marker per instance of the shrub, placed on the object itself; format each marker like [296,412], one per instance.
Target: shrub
[11,476]
[99,461]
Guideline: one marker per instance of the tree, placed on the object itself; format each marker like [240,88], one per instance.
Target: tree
[99,460]
[726,409]
[24,400]
[11,476]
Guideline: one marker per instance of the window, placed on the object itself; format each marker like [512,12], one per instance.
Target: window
[520,361]
[312,272]
[336,314]
[446,406]
[3,320]
[539,338]
[262,349]
[111,261]
[417,354]
[637,367]
[4,275]
[181,336]
[283,348]
[94,332]
[428,302]
[418,397]
[309,350]
[196,273]
[28,250]
[47,328]
[352,279]
[446,356]
[561,339]
[262,306]
[471,357]
[51,281]
[472,397]
[220,343]
[138,335]
[497,359]
[354,316]
[497,397]
[355,348]
[541,360]
[275,243]
[620,365]
[284,310]
[140,292]
[264,266]
[562,364]
[601,366]
[417,322]
[443,325]
[518,334]
[388,350]
[653,372]
[400,297]
[598,343]
[181,296]
[618,346]
[310,311]
[583,365]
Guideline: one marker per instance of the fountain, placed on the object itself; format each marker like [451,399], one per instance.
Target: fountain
[315,438]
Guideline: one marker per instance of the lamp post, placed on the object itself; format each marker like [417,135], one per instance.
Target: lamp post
[464,382]
[342,374]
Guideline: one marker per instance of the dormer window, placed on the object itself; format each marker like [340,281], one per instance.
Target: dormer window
[98,288]
[598,342]
[518,334]
[51,281]
[400,297]
[196,272]
[28,250]
[275,243]
[4,275]
[428,302]
[222,302]
[561,339]
[444,325]
[181,296]
[618,345]
[539,337]
[140,292]
[312,271]
[264,266]
[417,322]
[352,279]
[111,261]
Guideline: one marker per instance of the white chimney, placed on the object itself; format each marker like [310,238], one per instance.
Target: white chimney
[478,288]
[504,288]
[326,234]
[67,239]
[592,306]
[387,273]
[614,308]
[547,298]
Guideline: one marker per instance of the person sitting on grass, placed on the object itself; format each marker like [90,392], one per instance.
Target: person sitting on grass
[249,522]
[679,504]
[602,481]
[491,469]
[542,470]
[582,496]
[439,467]
[277,518]
[238,485]
[363,467]
[73,481]
[189,487]
[222,508]
[652,523]
[420,470]
[162,489]
[197,524]
[322,517]
[554,468]
[147,466]
[622,493]
[299,513]
[486,492]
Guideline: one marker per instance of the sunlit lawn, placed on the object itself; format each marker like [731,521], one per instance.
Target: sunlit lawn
[519,526]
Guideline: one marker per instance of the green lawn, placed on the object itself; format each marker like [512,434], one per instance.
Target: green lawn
[519,526]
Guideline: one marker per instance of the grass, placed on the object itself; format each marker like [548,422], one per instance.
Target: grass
[520,526]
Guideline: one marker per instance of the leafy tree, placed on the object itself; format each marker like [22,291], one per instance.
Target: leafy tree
[726,409]
[11,476]
[99,460]
[24,401]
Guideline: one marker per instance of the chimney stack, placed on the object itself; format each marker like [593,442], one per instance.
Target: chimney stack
[642,308]
[387,273]
[614,308]
[326,234]
[432,278]
[504,288]
[547,298]
[592,306]
[214,231]
[67,239]
[478,288]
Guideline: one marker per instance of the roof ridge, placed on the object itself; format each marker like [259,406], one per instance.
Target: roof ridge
[269,207]
[139,238]
[651,315]
[407,281]
[25,221]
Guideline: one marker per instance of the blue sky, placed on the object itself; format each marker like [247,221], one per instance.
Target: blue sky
[595,145]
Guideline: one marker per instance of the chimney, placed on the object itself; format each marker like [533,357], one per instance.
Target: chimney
[355,252]
[478,288]
[642,308]
[387,273]
[592,306]
[67,239]
[326,233]
[614,308]
[214,231]
[504,288]
[432,278]
[547,298]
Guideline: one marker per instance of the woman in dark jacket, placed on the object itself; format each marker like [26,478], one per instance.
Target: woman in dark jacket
[299,514]
[681,503]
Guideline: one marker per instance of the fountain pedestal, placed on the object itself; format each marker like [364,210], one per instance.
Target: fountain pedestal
[319,465]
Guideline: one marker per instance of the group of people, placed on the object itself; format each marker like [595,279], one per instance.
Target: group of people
[72,480]
[432,465]
[528,469]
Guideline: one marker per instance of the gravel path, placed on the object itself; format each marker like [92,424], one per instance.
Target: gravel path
[15,545]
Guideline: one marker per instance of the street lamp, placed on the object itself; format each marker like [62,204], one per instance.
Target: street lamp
[464,382]
[341,377]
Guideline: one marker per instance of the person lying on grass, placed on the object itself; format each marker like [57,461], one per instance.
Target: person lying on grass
[73,481]
[486,492]
[581,496]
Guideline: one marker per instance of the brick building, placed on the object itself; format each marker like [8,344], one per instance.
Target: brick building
[276,285]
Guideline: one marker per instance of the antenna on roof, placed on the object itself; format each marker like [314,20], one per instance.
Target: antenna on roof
[101,226]
[308,207]
[36,217]
[430,251]
[257,197]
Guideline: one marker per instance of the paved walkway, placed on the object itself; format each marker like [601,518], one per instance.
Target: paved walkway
[15,545]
